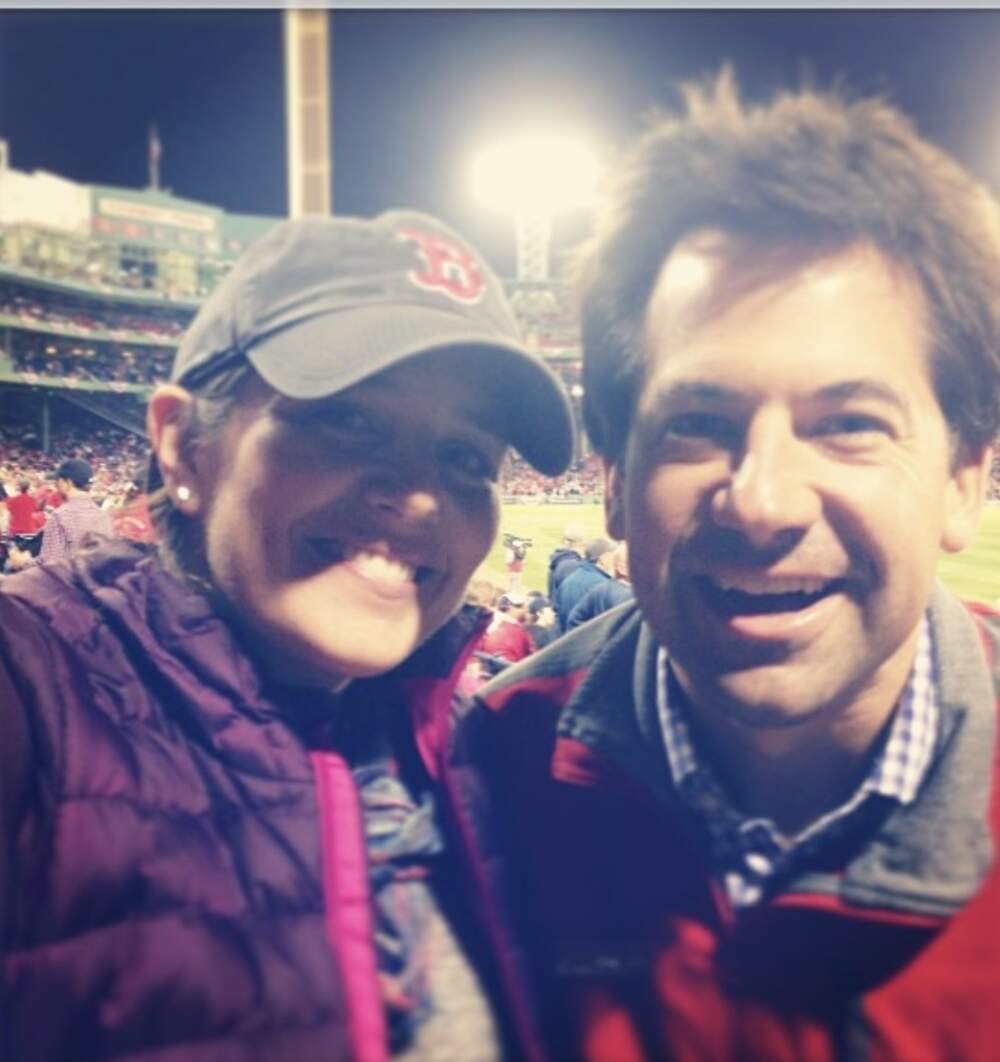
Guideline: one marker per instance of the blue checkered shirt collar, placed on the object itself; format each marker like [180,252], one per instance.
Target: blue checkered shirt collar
[750,852]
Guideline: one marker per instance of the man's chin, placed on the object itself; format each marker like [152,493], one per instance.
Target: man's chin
[760,698]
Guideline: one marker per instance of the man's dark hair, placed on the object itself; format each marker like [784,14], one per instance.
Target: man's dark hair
[810,169]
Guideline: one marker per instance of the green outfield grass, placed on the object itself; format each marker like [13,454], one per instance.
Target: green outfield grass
[544,525]
[973,574]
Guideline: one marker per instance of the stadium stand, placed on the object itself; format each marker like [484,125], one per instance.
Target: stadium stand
[580,483]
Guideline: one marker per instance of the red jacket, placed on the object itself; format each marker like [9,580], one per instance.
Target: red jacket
[506,638]
[22,508]
[887,949]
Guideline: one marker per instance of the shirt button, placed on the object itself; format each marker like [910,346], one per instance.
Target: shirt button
[759,864]
[742,893]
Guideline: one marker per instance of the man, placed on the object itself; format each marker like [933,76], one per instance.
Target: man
[565,558]
[593,569]
[542,626]
[756,817]
[605,594]
[69,524]
[515,550]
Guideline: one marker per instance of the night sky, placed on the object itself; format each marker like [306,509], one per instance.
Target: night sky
[416,91]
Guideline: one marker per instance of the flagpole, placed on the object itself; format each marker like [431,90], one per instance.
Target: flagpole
[155,151]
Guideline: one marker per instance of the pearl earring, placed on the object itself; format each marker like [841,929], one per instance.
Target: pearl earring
[183,493]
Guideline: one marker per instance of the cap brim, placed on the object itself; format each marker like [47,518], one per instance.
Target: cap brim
[330,352]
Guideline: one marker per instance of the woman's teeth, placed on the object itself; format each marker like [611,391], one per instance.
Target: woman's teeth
[379,568]
[375,566]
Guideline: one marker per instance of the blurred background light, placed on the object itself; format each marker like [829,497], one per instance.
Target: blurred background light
[535,171]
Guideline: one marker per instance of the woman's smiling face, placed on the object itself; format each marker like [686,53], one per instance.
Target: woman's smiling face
[343,531]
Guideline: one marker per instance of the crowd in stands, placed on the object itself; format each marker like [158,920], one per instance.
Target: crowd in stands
[993,492]
[88,317]
[75,339]
[520,482]
[118,459]
[53,356]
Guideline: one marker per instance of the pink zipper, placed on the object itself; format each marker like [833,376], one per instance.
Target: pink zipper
[349,928]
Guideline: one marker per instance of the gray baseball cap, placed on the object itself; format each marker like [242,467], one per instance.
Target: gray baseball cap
[320,303]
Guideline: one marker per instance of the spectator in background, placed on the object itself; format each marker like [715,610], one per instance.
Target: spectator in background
[565,558]
[49,496]
[506,637]
[541,624]
[606,593]
[481,594]
[595,567]
[22,508]
[69,526]
[131,519]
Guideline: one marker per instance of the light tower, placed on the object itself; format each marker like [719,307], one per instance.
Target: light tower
[532,176]
[307,109]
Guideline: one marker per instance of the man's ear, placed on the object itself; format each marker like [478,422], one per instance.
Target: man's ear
[168,422]
[614,498]
[964,497]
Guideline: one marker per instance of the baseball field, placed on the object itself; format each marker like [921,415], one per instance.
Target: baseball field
[972,574]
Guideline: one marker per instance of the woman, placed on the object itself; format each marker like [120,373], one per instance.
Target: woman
[218,813]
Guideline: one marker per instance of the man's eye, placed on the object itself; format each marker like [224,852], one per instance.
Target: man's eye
[701,426]
[852,427]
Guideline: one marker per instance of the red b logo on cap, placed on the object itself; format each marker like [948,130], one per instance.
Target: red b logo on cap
[448,267]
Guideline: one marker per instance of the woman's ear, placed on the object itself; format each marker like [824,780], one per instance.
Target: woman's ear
[168,421]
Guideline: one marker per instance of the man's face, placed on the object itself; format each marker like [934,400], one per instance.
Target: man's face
[788,483]
[343,531]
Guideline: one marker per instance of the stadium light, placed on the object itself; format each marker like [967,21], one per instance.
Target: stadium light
[533,175]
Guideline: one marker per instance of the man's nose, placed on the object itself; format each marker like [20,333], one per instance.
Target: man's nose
[771,489]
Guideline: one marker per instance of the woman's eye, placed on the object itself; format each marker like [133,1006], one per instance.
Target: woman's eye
[469,461]
[346,419]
